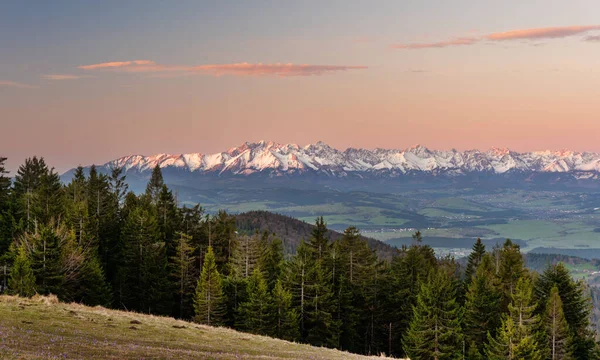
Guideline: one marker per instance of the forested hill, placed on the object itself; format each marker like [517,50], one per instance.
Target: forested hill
[292,231]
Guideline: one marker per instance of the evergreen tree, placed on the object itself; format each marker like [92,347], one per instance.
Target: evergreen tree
[516,338]
[576,307]
[25,192]
[209,302]
[286,318]
[408,269]
[46,262]
[512,268]
[143,273]
[4,185]
[22,280]
[557,330]
[474,259]
[92,288]
[222,238]
[435,331]
[155,185]
[271,261]
[319,241]
[182,271]
[483,306]
[257,312]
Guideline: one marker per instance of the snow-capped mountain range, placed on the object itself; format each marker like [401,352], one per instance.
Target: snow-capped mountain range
[275,160]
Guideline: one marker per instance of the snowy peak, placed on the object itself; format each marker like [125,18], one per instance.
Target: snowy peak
[281,159]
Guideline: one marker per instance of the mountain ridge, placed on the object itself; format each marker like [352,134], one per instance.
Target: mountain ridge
[285,159]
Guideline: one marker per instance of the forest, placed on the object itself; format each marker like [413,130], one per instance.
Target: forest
[92,241]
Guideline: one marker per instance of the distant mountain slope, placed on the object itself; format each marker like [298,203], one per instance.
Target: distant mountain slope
[292,231]
[280,159]
[290,165]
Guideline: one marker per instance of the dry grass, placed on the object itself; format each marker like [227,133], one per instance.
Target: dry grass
[43,328]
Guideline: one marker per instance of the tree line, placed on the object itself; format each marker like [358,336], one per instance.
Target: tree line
[94,242]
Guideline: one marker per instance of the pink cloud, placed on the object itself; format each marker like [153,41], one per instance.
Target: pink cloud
[593,38]
[440,44]
[116,64]
[541,33]
[246,69]
[523,34]
[63,77]
[237,69]
[17,85]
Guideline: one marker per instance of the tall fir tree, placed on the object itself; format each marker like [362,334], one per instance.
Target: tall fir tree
[556,328]
[483,306]
[576,307]
[22,280]
[209,302]
[408,269]
[143,283]
[4,185]
[182,275]
[257,313]
[435,330]
[6,215]
[155,185]
[285,316]
[517,337]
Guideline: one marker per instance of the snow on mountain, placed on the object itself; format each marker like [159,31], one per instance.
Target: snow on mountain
[279,159]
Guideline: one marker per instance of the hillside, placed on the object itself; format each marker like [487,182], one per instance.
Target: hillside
[42,328]
[292,231]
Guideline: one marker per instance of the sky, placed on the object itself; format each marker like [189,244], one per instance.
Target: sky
[85,82]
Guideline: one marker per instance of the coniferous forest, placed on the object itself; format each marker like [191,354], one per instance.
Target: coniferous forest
[94,242]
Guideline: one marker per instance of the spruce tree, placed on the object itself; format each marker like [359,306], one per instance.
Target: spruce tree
[512,268]
[271,261]
[46,250]
[557,330]
[474,259]
[576,307]
[182,271]
[257,313]
[319,241]
[143,280]
[22,280]
[483,306]
[4,185]
[209,302]
[25,192]
[517,337]
[435,331]
[155,185]
[286,318]
[408,269]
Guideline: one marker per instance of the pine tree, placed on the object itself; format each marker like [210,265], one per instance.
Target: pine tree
[182,271]
[516,338]
[483,306]
[512,268]
[576,307]
[92,288]
[257,312]
[46,249]
[209,302]
[435,331]
[271,261]
[296,279]
[155,185]
[6,215]
[143,280]
[4,185]
[408,270]
[319,241]
[556,327]
[474,259]
[286,318]
[22,280]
